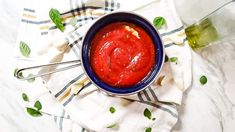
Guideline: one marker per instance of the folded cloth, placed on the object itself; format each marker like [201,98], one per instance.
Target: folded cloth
[90,108]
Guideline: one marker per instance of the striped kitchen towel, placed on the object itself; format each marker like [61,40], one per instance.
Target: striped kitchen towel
[90,108]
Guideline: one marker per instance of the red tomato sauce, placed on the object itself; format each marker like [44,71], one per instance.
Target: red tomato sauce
[122,54]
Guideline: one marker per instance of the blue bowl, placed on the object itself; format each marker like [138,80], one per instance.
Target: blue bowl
[122,17]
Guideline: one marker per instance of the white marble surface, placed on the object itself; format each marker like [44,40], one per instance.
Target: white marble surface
[202,108]
[207,108]
[13,117]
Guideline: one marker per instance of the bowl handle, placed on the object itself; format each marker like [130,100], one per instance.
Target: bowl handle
[19,72]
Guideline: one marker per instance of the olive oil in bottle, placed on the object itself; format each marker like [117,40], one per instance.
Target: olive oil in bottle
[201,34]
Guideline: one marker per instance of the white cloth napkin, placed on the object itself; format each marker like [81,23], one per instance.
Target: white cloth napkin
[90,109]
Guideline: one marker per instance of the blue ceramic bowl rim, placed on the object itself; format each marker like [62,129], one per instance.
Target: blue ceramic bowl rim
[122,17]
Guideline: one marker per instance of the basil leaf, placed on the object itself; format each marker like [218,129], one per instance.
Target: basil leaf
[147,113]
[174,59]
[33,112]
[31,79]
[73,21]
[148,129]
[56,19]
[158,22]
[24,49]
[38,105]
[112,125]
[203,80]
[15,73]
[25,97]
[112,110]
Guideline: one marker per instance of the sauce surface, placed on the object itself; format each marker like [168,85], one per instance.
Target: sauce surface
[122,54]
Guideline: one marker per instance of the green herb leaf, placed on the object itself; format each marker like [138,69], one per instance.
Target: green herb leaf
[56,18]
[24,49]
[15,73]
[112,110]
[38,105]
[31,79]
[25,97]
[147,113]
[166,58]
[158,22]
[148,129]
[153,118]
[203,80]
[112,125]
[73,21]
[33,112]
[174,59]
